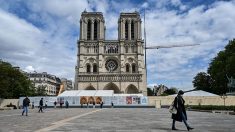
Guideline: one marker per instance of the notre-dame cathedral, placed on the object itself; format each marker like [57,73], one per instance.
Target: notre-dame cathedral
[110,64]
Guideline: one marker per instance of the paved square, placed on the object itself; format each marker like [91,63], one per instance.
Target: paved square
[109,120]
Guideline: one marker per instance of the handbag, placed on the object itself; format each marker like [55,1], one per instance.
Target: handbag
[172,108]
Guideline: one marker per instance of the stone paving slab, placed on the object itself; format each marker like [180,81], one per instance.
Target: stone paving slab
[111,120]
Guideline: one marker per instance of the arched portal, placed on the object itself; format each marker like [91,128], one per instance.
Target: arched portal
[98,100]
[83,100]
[91,100]
[90,88]
[131,89]
[112,86]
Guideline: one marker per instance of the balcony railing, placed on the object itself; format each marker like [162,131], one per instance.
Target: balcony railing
[107,76]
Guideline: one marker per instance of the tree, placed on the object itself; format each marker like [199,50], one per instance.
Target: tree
[13,83]
[220,67]
[202,81]
[223,64]
[169,91]
[149,92]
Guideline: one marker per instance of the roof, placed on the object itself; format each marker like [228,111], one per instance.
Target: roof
[87,93]
[127,94]
[197,93]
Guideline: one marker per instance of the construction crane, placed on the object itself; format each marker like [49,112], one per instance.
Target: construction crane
[170,46]
[159,47]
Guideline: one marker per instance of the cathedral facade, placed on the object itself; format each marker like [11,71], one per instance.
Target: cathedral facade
[110,64]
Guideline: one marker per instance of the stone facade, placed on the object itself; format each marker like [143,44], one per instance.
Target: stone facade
[110,64]
[50,82]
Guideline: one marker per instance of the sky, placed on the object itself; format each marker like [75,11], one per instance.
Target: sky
[41,35]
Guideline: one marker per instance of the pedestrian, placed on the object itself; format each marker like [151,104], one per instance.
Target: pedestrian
[55,104]
[82,105]
[87,105]
[32,105]
[45,105]
[112,104]
[61,103]
[67,104]
[40,105]
[26,102]
[101,104]
[93,104]
[181,114]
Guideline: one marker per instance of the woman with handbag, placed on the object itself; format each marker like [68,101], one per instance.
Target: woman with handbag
[181,114]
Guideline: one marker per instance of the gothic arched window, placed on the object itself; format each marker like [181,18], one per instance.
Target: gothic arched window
[126,47]
[133,68]
[95,30]
[126,30]
[89,30]
[132,30]
[127,68]
[94,68]
[88,68]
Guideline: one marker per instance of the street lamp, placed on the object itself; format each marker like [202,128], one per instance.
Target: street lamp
[223,96]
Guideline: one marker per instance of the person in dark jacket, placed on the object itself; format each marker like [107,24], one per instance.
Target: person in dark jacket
[181,114]
[26,102]
[40,105]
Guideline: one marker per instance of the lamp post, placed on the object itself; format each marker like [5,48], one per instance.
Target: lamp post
[223,96]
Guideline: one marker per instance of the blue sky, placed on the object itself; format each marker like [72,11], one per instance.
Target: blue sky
[41,35]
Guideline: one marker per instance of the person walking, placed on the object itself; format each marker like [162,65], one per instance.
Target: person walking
[101,104]
[181,114]
[93,104]
[67,104]
[45,105]
[112,104]
[40,105]
[26,102]
[32,105]
[55,104]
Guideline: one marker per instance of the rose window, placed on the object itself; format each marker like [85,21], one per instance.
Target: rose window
[111,65]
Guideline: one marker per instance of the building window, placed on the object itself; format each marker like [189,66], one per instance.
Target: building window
[126,30]
[126,49]
[94,68]
[89,30]
[133,68]
[95,30]
[127,68]
[88,68]
[132,30]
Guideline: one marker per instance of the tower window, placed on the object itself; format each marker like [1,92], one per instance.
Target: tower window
[127,68]
[94,68]
[89,30]
[133,68]
[132,30]
[126,49]
[126,30]
[95,30]
[88,68]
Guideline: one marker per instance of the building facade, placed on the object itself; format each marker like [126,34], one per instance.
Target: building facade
[110,64]
[43,80]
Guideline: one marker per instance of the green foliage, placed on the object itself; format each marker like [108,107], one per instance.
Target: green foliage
[149,92]
[170,91]
[202,81]
[212,107]
[223,64]
[13,83]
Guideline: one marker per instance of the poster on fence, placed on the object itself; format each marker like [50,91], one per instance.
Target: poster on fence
[128,100]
